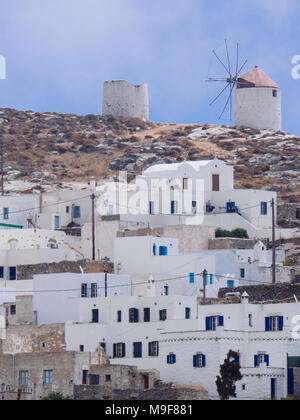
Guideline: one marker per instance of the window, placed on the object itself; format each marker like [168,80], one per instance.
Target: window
[154,349]
[174,207]
[231,207]
[67,209]
[12,273]
[230,283]
[119,316]
[274,323]
[56,222]
[166,290]
[192,277]
[103,345]
[94,290]
[274,93]
[185,184]
[13,310]
[107,378]
[81,348]
[95,316]
[171,359]
[163,250]
[84,288]
[211,279]
[261,358]
[163,315]
[263,208]
[94,380]
[187,313]
[1,272]
[194,207]
[119,350]
[6,213]
[154,249]
[298,214]
[133,315]
[212,322]
[250,317]
[76,212]
[199,360]
[23,378]
[151,207]
[84,377]
[48,377]
[137,350]
[146,314]
[242,273]
[216,182]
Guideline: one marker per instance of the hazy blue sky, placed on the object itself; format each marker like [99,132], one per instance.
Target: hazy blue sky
[59,52]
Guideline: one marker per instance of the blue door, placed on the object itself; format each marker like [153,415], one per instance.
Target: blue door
[273,389]
[56,222]
[12,273]
[290,381]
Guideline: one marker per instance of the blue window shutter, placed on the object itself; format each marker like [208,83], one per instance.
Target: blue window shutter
[154,249]
[208,323]
[150,349]
[168,359]
[267,359]
[123,350]
[192,277]
[195,360]
[221,321]
[268,324]
[281,323]
[256,361]
[203,360]
[174,358]
[211,279]
[115,350]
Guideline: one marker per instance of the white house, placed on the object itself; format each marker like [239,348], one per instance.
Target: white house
[58,298]
[187,342]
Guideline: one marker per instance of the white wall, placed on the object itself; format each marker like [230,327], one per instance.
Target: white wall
[257,108]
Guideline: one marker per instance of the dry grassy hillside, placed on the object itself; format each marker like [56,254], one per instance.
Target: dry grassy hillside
[52,148]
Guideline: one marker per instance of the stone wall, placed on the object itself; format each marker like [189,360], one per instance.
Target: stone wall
[26,272]
[34,339]
[263,293]
[167,392]
[287,215]
[231,243]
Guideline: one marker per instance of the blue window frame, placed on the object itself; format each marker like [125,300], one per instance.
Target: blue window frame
[212,322]
[146,314]
[187,313]
[274,323]
[137,350]
[163,250]
[133,315]
[6,213]
[231,207]
[76,212]
[12,273]
[1,272]
[56,222]
[68,209]
[192,277]
[211,279]
[261,358]
[230,283]
[94,380]
[151,207]
[153,349]
[84,290]
[23,378]
[166,290]
[154,249]
[119,350]
[199,360]
[264,208]
[171,359]
[174,207]
[48,377]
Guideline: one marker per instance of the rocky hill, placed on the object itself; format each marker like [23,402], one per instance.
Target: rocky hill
[51,148]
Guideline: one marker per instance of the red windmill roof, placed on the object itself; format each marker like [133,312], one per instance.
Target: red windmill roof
[256,78]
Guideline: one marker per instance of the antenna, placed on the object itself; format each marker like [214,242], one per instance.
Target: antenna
[230,79]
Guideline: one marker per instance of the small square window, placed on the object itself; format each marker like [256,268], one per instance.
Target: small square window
[13,309]
[81,348]
[107,378]
[274,93]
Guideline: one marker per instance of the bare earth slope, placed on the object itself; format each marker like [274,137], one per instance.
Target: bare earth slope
[47,148]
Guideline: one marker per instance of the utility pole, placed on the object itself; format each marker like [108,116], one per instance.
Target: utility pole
[273,243]
[105,283]
[204,286]
[2,164]
[93,227]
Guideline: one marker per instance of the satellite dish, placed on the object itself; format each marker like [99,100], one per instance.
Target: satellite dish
[231,78]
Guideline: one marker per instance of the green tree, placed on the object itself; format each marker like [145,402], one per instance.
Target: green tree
[229,375]
[56,396]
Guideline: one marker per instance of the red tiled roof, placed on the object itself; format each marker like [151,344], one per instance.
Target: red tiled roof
[256,78]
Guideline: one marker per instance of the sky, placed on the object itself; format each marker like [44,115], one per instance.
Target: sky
[58,53]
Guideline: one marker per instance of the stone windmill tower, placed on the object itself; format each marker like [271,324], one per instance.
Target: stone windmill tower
[257,101]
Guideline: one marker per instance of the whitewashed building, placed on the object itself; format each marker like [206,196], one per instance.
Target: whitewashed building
[187,342]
